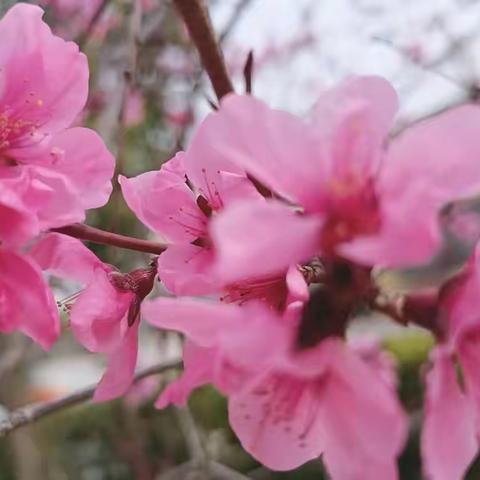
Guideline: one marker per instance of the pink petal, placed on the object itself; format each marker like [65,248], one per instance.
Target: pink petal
[427,166]
[81,155]
[247,133]
[198,369]
[449,442]
[369,349]
[296,285]
[96,316]
[121,368]
[66,257]
[17,222]
[53,198]
[165,204]
[354,120]
[460,300]
[409,233]
[255,240]
[275,418]
[363,421]
[202,322]
[217,180]
[185,269]
[205,164]
[468,349]
[203,366]
[46,78]
[26,302]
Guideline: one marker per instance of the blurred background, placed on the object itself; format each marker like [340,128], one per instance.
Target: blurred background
[147,94]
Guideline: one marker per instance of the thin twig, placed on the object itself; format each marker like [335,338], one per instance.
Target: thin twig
[32,413]
[95,235]
[193,439]
[129,74]
[237,13]
[85,35]
[229,27]
[201,32]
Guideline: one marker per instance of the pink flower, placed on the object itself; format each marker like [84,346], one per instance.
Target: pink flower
[105,316]
[73,17]
[453,405]
[134,109]
[343,193]
[26,302]
[57,172]
[287,406]
[178,202]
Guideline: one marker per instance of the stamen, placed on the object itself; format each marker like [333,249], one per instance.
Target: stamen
[66,303]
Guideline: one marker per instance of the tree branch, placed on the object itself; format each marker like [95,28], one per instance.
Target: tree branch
[85,35]
[201,32]
[237,13]
[95,235]
[32,413]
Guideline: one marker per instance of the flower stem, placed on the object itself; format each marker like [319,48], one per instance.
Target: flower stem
[95,235]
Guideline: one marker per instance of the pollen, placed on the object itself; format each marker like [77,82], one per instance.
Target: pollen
[14,130]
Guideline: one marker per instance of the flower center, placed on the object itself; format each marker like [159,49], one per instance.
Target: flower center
[14,133]
[271,291]
[353,211]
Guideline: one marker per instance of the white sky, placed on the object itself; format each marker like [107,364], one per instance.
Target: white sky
[347,42]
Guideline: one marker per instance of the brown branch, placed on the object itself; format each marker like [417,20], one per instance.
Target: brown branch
[95,235]
[32,413]
[201,32]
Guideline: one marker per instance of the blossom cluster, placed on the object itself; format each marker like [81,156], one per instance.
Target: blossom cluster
[280,224]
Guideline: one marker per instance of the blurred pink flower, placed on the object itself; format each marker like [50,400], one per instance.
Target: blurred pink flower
[134,109]
[452,401]
[287,406]
[105,316]
[353,197]
[73,17]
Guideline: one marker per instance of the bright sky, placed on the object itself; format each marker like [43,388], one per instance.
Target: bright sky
[350,37]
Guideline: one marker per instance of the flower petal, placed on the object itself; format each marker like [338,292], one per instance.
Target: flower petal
[201,321]
[254,240]
[185,269]
[96,316]
[354,119]
[81,155]
[121,368]
[263,142]
[66,257]
[45,78]
[427,166]
[165,204]
[447,409]
[198,369]
[17,222]
[26,302]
